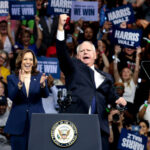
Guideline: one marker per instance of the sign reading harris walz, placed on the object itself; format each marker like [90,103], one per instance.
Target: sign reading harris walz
[130,140]
[4,8]
[59,7]
[127,37]
[121,14]
[49,66]
[22,10]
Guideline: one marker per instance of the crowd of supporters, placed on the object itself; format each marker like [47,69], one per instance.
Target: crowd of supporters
[123,63]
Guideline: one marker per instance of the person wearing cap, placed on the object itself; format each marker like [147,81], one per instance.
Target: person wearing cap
[91,89]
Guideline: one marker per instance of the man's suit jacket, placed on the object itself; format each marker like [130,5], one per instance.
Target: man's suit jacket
[22,104]
[80,81]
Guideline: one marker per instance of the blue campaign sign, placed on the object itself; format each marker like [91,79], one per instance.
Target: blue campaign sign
[59,7]
[130,140]
[49,66]
[4,8]
[127,37]
[121,14]
[22,10]
[87,11]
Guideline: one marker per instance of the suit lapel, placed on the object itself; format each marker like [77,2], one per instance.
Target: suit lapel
[87,70]
[92,76]
[23,87]
[24,90]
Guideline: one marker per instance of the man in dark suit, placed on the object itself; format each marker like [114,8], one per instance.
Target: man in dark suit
[91,89]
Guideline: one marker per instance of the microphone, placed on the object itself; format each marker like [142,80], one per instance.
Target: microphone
[64,103]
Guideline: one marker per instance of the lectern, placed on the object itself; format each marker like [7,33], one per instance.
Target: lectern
[64,131]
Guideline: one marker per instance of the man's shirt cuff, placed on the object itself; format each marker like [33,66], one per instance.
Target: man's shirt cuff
[60,35]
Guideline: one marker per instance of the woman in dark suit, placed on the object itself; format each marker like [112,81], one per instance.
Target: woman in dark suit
[25,88]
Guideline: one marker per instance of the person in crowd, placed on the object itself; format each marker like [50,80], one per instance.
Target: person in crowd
[144,111]
[4,38]
[4,72]
[25,88]
[144,127]
[148,141]
[119,86]
[89,91]
[25,36]
[4,113]
[5,106]
[116,123]
[3,92]
[48,25]
[50,103]
[30,24]
[128,78]
[102,61]
[127,58]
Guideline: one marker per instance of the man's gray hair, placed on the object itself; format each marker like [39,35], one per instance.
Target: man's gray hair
[92,45]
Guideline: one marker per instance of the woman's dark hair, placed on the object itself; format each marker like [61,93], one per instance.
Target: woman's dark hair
[113,3]
[20,58]
[145,121]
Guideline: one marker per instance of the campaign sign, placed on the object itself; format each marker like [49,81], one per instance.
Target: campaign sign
[59,7]
[121,14]
[127,37]
[49,66]
[130,140]
[63,90]
[4,7]
[87,11]
[22,10]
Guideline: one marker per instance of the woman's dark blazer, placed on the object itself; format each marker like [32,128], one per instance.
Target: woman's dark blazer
[23,105]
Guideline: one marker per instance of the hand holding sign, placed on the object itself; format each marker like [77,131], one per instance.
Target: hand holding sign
[62,21]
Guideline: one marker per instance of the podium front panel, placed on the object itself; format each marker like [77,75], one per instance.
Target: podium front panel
[88,132]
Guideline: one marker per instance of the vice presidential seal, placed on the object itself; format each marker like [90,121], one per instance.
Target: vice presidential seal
[64,133]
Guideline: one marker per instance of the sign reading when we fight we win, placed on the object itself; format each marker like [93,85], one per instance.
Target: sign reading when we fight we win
[121,14]
[49,66]
[22,10]
[127,37]
[87,11]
